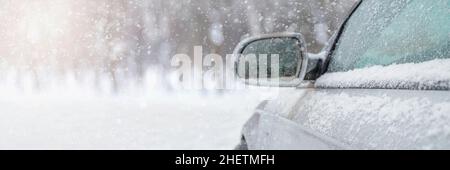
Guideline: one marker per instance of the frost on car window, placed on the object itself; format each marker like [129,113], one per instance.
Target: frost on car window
[384,32]
[287,50]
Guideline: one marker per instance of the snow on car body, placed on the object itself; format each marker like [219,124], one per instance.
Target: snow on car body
[382,83]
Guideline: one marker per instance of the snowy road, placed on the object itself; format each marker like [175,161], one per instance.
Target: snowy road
[182,121]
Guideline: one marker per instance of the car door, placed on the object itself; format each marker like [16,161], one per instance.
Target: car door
[386,86]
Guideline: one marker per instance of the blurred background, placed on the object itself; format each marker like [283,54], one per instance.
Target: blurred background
[115,43]
[97,74]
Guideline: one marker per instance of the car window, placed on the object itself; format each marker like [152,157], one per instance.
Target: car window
[385,32]
[287,49]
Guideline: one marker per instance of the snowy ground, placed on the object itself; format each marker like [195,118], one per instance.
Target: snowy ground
[145,121]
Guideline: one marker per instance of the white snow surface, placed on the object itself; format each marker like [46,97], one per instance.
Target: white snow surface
[379,120]
[84,120]
[434,74]
[369,119]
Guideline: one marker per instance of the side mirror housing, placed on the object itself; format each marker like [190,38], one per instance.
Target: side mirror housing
[272,60]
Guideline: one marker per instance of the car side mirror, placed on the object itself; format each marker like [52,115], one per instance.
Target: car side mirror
[272,60]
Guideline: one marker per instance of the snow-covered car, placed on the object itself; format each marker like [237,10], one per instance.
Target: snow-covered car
[382,82]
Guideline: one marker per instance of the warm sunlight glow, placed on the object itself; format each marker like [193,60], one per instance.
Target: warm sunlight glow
[43,21]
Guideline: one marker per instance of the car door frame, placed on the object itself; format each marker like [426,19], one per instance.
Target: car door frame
[331,48]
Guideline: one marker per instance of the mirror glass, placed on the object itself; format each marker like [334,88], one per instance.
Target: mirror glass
[270,58]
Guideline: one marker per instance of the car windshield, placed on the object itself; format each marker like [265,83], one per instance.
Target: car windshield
[385,32]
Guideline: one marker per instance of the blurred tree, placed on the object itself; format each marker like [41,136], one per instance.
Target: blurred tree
[124,39]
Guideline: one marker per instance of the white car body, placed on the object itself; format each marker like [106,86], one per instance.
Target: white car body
[398,106]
